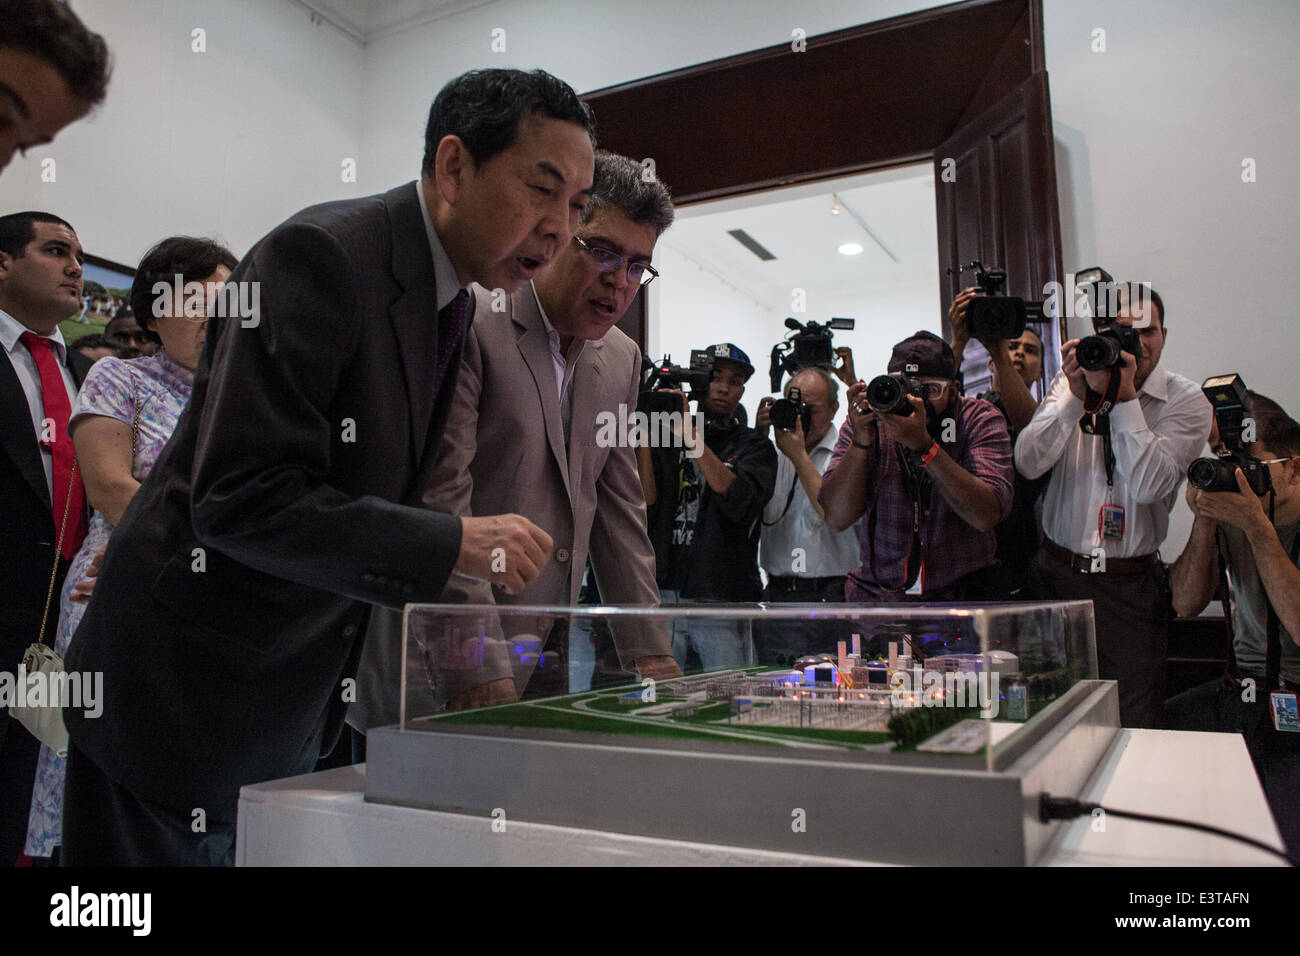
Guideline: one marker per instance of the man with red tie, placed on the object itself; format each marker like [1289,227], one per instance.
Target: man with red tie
[39,378]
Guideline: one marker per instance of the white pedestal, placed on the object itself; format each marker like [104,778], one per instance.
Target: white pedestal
[321,820]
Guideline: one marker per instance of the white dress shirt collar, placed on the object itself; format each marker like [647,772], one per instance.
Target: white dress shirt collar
[444,274]
[1157,384]
[11,331]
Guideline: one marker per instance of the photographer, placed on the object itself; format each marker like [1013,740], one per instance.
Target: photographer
[1234,533]
[1016,365]
[804,559]
[931,484]
[1106,508]
[704,507]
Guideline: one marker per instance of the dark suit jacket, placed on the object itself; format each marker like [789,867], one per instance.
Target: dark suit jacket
[27,544]
[233,600]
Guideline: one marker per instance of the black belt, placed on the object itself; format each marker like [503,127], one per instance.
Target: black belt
[1083,562]
[779,583]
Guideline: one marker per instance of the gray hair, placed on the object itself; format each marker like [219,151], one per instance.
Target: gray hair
[621,184]
[832,384]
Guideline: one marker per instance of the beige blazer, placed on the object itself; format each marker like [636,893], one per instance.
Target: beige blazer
[503,452]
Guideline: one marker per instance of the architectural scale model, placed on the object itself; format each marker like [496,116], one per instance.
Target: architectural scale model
[841,701]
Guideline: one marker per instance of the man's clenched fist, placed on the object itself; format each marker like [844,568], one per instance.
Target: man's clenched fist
[506,550]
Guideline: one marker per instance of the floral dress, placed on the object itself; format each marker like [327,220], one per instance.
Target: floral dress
[110,390]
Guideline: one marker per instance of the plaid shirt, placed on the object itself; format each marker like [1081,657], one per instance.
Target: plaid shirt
[950,548]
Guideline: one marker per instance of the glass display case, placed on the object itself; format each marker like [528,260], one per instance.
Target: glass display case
[779,726]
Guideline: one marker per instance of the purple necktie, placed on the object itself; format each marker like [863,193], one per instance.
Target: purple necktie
[453,319]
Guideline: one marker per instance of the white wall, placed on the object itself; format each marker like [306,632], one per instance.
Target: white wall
[1150,137]
[223,143]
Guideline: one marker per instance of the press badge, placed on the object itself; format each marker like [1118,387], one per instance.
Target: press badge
[1110,522]
[1282,704]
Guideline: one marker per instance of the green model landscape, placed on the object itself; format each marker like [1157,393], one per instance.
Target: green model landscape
[603,712]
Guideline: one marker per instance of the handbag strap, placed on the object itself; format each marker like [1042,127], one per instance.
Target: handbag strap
[58,551]
[135,418]
[67,503]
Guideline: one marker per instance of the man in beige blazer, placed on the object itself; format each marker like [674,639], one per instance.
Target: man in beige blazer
[540,366]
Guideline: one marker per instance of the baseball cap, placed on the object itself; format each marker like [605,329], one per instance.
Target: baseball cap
[732,353]
[930,354]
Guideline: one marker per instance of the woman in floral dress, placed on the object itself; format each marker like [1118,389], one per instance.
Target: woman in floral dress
[125,405]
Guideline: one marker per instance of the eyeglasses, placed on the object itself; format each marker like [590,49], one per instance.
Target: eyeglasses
[610,261]
[933,390]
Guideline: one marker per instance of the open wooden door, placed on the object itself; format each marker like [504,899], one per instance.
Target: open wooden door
[995,197]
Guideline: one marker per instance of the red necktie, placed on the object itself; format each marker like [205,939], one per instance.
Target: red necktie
[54,394]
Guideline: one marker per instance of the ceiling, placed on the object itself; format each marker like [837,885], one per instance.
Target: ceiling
[797,226]
[366,20]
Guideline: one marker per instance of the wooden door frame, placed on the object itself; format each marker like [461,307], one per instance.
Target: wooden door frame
[927,84]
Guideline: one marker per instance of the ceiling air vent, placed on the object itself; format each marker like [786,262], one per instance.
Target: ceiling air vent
[750,243]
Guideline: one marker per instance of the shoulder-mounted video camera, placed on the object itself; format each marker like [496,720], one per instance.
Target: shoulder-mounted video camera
[808,344]
[1227,393]
[992,314]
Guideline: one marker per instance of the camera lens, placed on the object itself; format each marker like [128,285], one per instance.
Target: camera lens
[1213,474]
[1097,352]
[886,393]
[783,413]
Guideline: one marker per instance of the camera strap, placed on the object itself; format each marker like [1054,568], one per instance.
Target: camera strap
[917,483]
[788,499]
[1096,419]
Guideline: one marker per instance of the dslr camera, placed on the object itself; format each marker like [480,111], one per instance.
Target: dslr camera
[1227,393]
[693,380]
[786,412]
[992,314]
[806,345]
[1103,349]
[888,393]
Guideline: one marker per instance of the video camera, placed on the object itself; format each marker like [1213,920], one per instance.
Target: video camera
[1227,393]
[806,345]
[992,314]
[693,380]
[1103,349]
[785,412]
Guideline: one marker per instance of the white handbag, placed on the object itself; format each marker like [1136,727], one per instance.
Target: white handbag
[45,720]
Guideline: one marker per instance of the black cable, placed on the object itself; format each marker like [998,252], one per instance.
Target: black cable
[1065,808]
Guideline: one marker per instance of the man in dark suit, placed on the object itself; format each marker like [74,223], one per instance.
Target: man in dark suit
[230,613]
[41,257]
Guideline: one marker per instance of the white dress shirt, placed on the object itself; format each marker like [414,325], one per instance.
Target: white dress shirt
[29,376]
[1154,438]
[826,553]
[444,274]
[562,363]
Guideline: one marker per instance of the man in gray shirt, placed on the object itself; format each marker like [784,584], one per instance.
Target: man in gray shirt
[1260,556]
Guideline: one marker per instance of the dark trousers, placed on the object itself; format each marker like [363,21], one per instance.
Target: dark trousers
[1218,707]
[18,753]
[1131,614]
[105,824]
